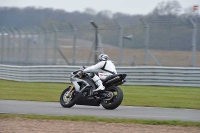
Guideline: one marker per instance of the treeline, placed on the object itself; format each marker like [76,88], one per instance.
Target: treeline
[31,16]
[166,15]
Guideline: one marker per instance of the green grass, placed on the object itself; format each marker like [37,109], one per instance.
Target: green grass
[108,120]
[154,96]
[11,90]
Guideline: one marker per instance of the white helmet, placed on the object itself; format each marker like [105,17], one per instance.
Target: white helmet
[103,57]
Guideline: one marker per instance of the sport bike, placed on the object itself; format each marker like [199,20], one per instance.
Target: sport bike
[81,92]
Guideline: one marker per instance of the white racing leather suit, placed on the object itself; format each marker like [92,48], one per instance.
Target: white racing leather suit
[108,69]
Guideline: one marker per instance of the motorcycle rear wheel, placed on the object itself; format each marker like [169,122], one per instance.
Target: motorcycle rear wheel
[115,101]
[65,101]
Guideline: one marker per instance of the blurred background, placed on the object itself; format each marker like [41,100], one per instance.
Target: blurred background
[160,33]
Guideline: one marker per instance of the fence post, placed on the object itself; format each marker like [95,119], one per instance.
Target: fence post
[2,46]
[8,44]
[55,44]
[32,43]
[194,35]
[120,42]
[13,57]
[96,41]
[26,48]
[74,44]
[19,45]
[146,41]
[39,48]
[46,44]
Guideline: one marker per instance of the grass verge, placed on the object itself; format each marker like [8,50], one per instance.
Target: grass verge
[108,120]
[150,96]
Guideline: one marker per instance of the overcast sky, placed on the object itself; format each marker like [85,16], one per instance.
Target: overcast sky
[124,6]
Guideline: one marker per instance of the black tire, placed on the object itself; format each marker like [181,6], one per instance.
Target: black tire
[115,101]
[71,102]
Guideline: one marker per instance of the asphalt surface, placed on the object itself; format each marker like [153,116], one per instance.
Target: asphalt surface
[54,108]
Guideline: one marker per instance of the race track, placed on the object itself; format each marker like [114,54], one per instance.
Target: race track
[54,108]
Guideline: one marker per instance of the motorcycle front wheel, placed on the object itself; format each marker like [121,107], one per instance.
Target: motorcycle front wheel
[116,99]
[67,99]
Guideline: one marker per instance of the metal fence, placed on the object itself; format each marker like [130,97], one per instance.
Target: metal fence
[137,43]
[144,75]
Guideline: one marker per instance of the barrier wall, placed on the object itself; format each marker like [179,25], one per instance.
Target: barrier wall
[161,76]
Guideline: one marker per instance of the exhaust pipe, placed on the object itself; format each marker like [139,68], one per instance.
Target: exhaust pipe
[120,83]
[113,80]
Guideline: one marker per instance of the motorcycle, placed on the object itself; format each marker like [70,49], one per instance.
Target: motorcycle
[81,92]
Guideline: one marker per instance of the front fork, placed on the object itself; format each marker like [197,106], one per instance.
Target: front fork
[69,93]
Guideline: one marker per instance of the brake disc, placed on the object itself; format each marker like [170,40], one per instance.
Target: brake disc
[109,95]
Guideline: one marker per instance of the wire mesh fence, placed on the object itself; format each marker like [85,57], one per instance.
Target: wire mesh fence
[135,43]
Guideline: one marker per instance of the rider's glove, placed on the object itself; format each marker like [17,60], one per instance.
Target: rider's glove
[80,73]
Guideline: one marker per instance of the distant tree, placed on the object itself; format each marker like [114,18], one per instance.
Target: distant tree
[90,11]
[168,8]
[127,18]
[105,13]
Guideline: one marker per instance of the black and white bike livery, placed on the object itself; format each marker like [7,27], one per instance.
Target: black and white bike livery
[81,92]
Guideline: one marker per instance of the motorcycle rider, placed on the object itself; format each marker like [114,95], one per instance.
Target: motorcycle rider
[104,64]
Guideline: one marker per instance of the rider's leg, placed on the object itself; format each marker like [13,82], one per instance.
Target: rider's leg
[98,82]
